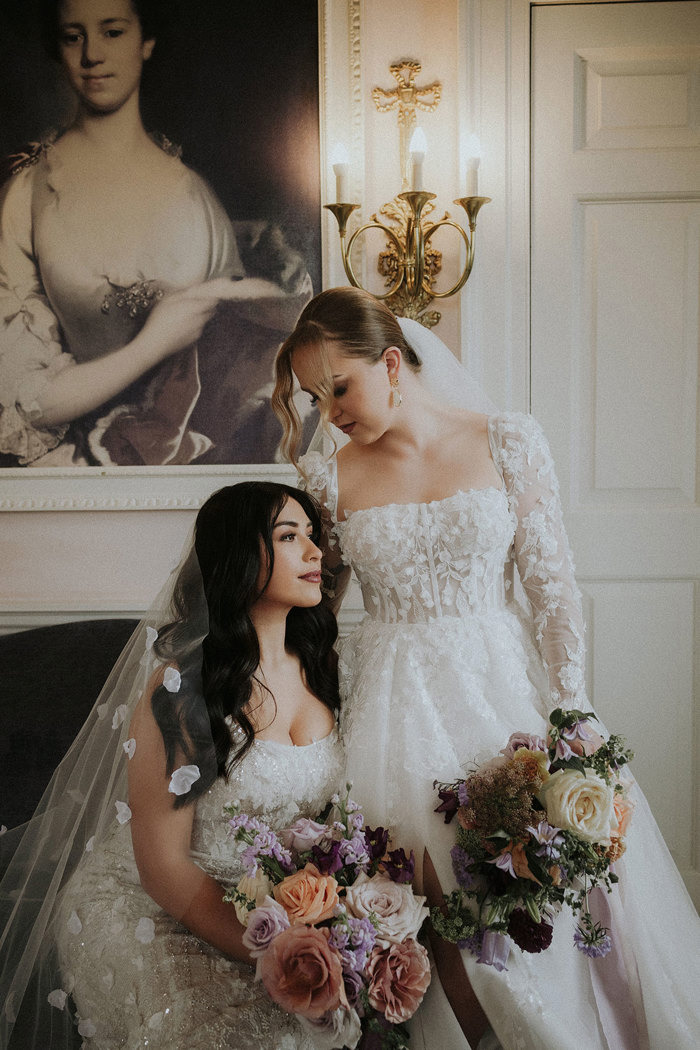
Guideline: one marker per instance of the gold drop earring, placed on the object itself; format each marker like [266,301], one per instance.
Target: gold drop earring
[396,398]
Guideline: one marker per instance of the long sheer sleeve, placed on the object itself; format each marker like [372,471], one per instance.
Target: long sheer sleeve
[318,479]
[541,553]
[31,353]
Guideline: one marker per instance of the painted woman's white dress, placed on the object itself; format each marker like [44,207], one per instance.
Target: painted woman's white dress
[78,279]
[140,979]
[444,666]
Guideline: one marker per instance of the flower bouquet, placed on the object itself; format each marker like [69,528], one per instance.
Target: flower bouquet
[539,825]
[332,922]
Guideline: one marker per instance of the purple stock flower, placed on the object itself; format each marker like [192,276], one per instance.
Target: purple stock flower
[495,949]
[354,850]
[463,794]
[460,865]
[399,867]
[242,822]
[376,840]
[354,940]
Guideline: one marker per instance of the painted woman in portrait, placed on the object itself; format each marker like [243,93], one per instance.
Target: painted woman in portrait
[114,255]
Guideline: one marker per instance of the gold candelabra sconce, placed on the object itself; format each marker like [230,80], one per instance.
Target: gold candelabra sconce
[410,263]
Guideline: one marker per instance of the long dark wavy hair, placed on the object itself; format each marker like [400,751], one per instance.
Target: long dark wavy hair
[232,530]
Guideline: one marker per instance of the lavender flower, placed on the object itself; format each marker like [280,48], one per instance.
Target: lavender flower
[265,844]
[495,949]
[592,939]
[549,838]
[471,944]
[242,822]
[354,986]
[354,940]
[264,923]
[463,794]
[504,861]
[354,851]
[460,865]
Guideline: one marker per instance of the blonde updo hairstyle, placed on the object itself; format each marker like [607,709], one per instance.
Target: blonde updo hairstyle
[362,325]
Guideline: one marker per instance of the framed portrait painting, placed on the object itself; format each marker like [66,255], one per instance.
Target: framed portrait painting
[98,232]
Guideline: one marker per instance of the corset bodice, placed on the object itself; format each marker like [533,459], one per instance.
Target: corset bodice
[420,561]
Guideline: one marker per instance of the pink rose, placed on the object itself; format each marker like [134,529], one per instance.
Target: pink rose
[302,973]
[303,834]
[398,978]
[307,896]
[397,913]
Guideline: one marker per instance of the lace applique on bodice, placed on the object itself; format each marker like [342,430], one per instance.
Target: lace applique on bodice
[276,783]
[419,561]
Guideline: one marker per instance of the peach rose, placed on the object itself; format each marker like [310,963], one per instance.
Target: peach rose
[302,973]
[398,978]
[623,814]
[307,896]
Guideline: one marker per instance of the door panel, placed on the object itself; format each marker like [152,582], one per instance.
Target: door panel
[615,152]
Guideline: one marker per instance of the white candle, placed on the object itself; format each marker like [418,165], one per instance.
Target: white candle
[417,149]
[473,152]
[340,161]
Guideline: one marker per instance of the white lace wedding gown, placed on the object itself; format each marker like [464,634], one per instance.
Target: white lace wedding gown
[140,979]
[444,666]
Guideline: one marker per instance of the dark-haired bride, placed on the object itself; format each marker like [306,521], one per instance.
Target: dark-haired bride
[115,928]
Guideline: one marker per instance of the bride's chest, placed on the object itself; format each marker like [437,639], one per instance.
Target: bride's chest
[443,536]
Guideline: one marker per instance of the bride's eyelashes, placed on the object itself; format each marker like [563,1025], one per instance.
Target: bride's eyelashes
[338,392]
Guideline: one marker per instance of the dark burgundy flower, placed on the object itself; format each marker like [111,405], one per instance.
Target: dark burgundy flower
[449,803]
[327,860]
[529,935]
[399,867]
[377,840]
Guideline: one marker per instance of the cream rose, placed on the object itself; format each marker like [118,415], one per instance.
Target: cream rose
[581,804]
[256,888]
[395,909]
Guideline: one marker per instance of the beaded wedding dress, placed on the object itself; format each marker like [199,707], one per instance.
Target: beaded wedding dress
[445,665]
[140,979]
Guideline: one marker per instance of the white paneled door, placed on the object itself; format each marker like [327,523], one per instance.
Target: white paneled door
[615,341]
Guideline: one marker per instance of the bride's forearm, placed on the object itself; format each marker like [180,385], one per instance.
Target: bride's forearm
[195,899]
